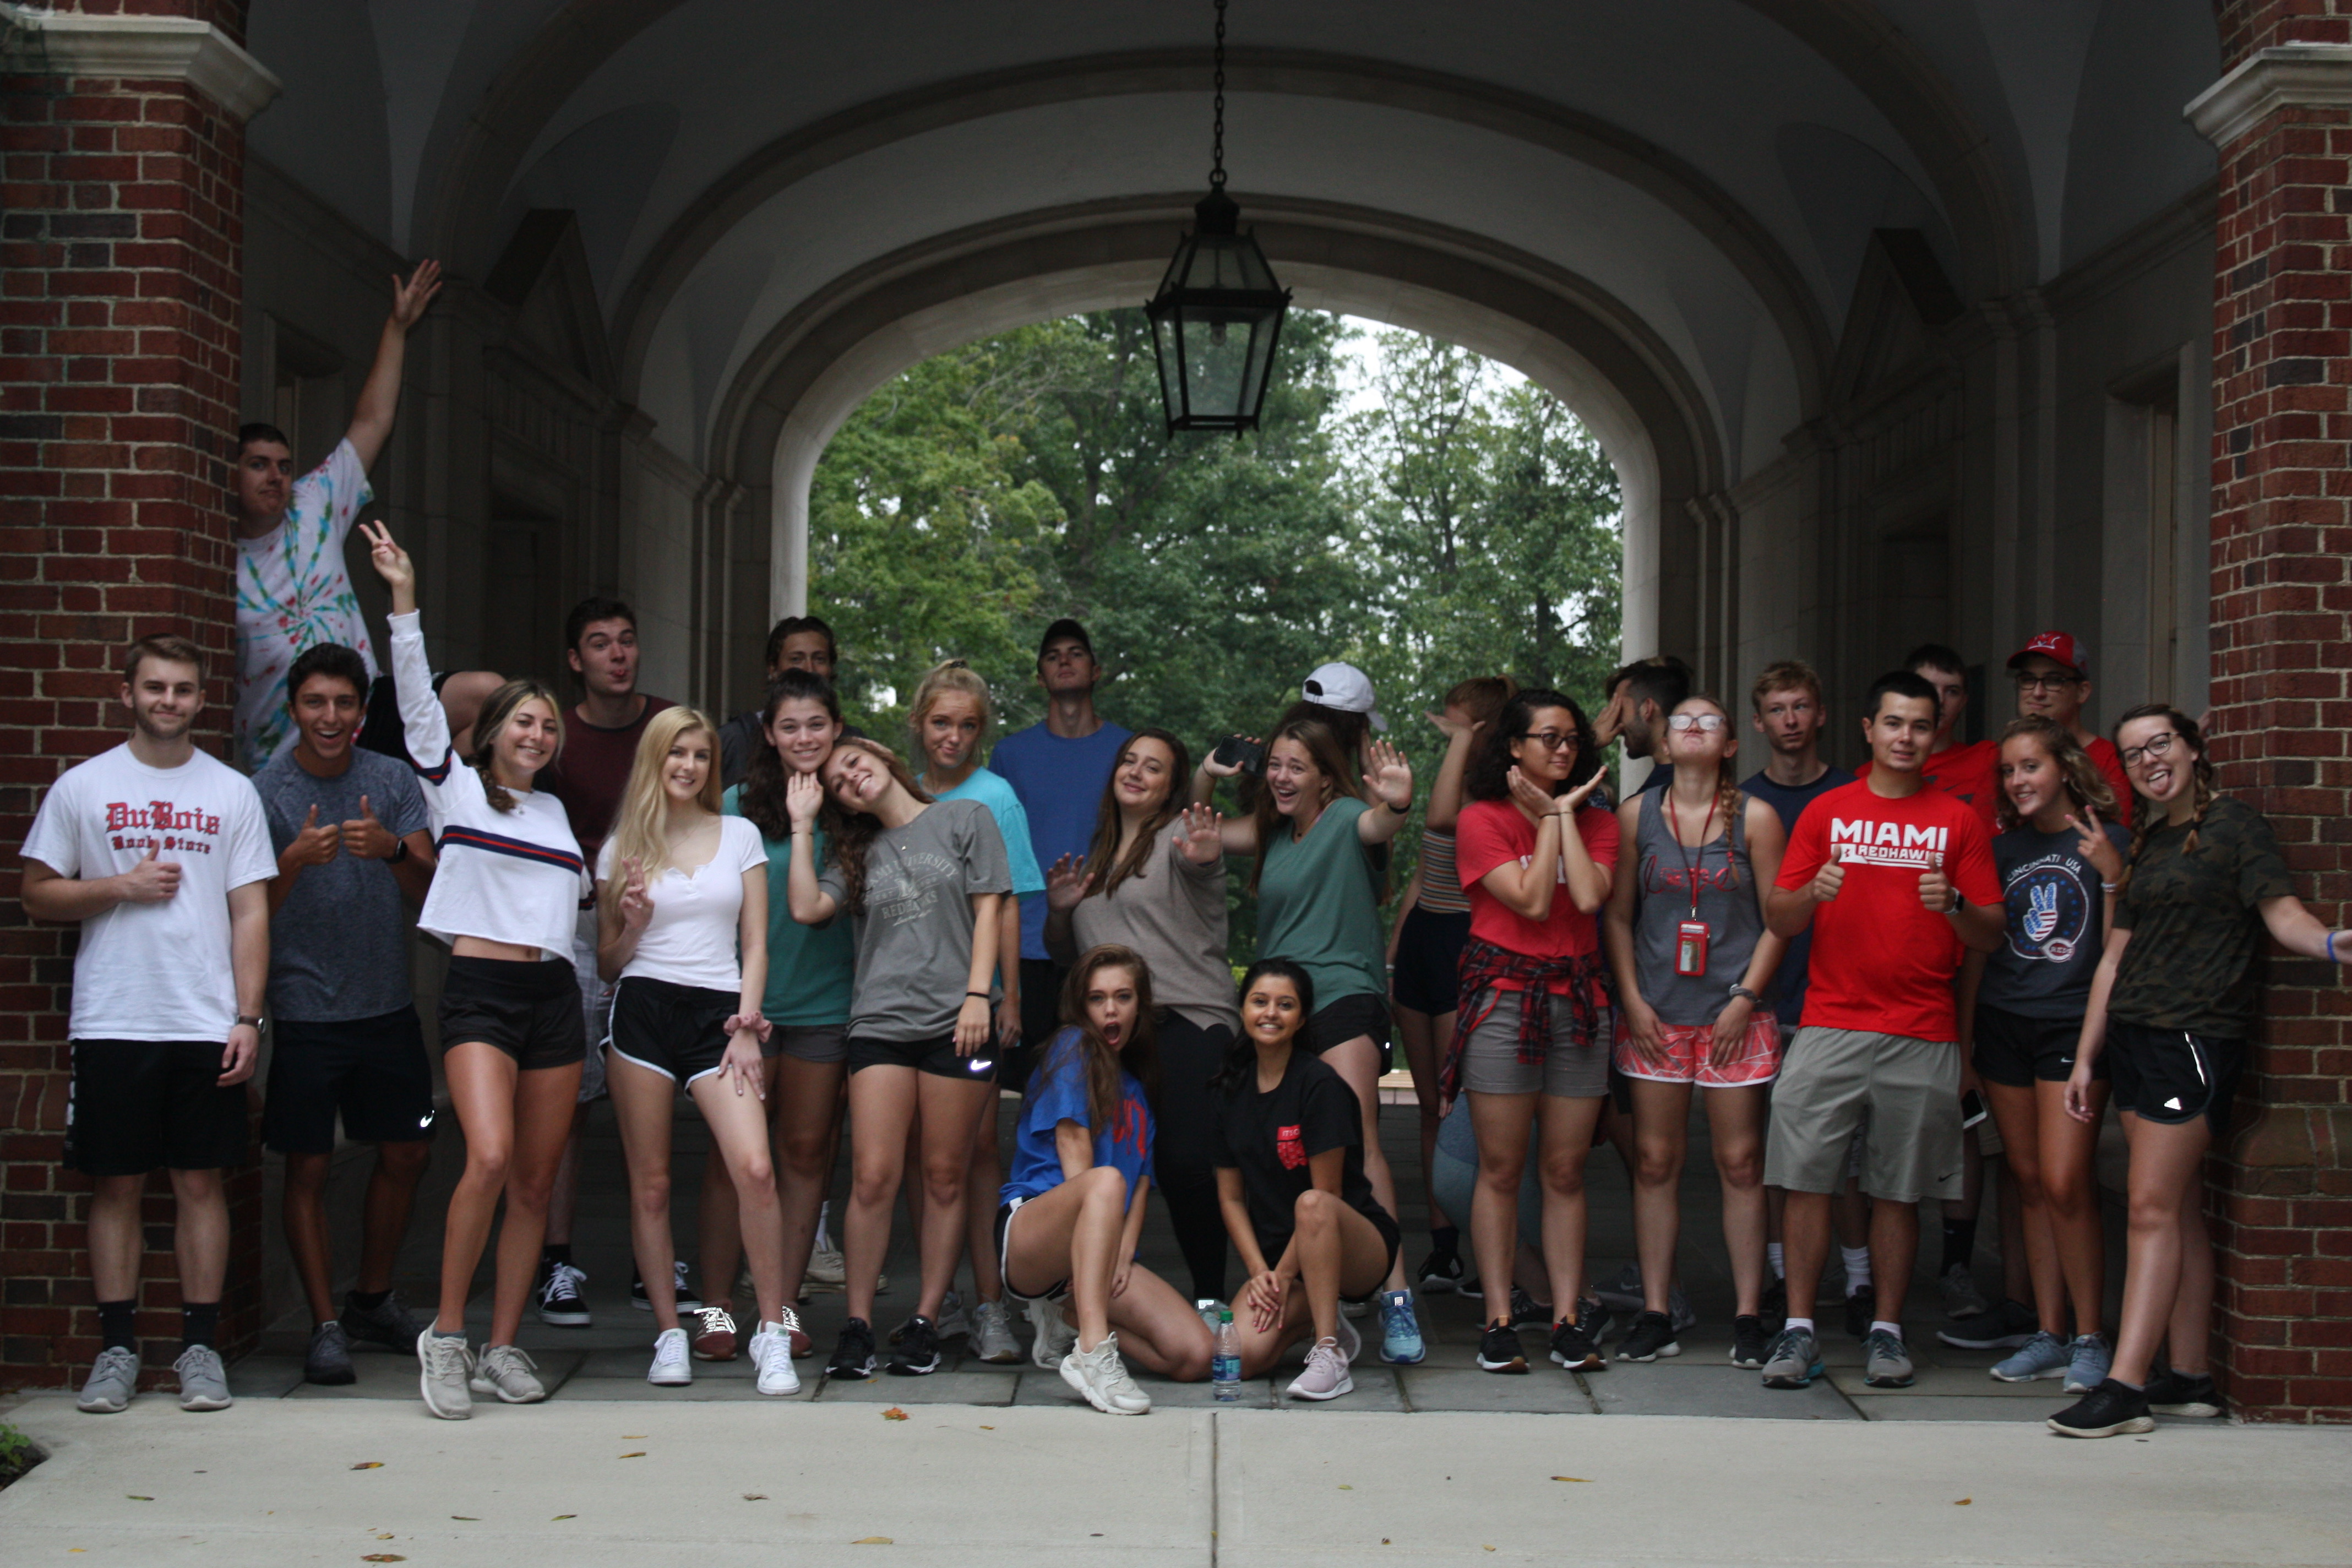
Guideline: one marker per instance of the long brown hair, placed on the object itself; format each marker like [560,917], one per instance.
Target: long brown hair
[2148,816]
[496,713]
[1102,876]
[1323,748]
[1482,696]
[760,796]
[2087,786]
[1139,1058]
[849,833]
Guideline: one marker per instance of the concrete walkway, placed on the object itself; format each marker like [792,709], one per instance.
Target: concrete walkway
[585,1483]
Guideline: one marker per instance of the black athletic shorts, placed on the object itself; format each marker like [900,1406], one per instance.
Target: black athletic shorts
[1274,1245]
[2172,1076]
[373,1070]
[678,1031]
[1346,1019]
[134,1105]
[1059,1289]
[2014,1050]
[936,1056]
[1041,1020]
[529,1009]
[1428,971]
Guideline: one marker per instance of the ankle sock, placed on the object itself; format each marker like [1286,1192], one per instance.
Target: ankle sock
[1881,1326]
[1857,1268]
[118,1325]
[367,1301]
[1777,1254]
[199,1324]
[1959,1244]
[1804,1323]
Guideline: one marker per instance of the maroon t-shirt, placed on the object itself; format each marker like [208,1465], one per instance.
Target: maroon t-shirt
[592,773]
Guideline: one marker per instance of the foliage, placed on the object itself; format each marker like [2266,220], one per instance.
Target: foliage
[18,1453]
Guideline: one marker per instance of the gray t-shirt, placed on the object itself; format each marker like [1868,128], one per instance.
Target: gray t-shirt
[1173,913]
[914,936]
[339,945]
[1724,898]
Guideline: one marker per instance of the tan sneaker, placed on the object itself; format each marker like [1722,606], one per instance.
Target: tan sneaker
[506,1372]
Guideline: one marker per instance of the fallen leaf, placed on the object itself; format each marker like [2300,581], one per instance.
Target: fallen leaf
[639,1454]
[1962,1502]
[134,1497]
[363,1465]
[563,1516]
[1346,1488]
[893,1414]
[385,1535]
[987,1428]
[384,1557]
[468,1518]
[755,1497]
[634,1437]
[1384,1541]
[871,1540]
[1585,1478]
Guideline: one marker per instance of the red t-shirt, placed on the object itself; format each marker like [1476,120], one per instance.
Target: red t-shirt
[591,774]
[1967,774]
[1492,833]
[2110,762]
[1882,961]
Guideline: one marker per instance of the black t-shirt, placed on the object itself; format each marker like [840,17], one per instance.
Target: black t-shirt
[2195,931]
[1270,1136]
[1790,801]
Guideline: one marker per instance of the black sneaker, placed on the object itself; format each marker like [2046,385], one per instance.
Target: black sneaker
[388,1325]
[1441,1272]
[1526,1310]
[918,1355]
[1775,1312]
[2184,1394]
[1500,1350]
[560,1301]
[1593,1319]
[2005,1327]
[1748,1340]
[1861,1310]
[329,1359]
[2106,1410]
[853,1353]
[687,1302]
[1571,1350]
[1653,1336]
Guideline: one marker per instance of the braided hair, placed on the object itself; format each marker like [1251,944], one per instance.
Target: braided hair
[2150,815]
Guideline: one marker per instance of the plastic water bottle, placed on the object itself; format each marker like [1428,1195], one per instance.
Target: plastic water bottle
[1225,1360]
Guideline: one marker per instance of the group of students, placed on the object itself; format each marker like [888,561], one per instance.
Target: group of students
[808,933]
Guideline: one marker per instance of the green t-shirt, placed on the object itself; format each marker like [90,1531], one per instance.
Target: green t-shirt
[1315,906]
[2196,932]
[809,967]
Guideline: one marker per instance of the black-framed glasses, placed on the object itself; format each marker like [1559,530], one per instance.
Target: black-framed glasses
[2047,680]
[2158,746]
[1550,740]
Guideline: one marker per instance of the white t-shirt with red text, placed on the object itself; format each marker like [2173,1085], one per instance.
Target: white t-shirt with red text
[159,971]
[1883,961]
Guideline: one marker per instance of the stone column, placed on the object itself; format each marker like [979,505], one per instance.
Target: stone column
[2282,631]
[121,177]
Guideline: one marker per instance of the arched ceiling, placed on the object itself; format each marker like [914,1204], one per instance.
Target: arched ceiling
[1707,171]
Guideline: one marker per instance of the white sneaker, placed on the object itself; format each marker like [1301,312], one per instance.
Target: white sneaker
[1326,1376]
[826,1270]
[1055,1338]
[771,1353]
[446,1364]
[1101,1376]
[671,1367]
[991,1334]
[506,1372]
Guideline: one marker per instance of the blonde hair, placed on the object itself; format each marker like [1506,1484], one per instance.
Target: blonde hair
[496,713]
[953,675]
[641,827]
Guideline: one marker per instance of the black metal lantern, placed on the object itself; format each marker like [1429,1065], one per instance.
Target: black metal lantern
[1219,311]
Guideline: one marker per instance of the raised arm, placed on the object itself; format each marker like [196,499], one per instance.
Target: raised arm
[1445,806]
[810,904]
[380,397]
[426,726]
[1388,781]
[1238,834]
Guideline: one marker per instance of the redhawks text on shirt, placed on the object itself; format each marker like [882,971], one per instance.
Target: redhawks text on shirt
[1860,841]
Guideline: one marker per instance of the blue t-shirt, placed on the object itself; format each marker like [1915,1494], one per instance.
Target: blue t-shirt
[1060,784]
[1789,979]
[1057,1093]
[339,945]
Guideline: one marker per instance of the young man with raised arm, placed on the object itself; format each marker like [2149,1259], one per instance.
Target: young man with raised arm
[159,853]
[1641,695]
[1896,881]
[355,852]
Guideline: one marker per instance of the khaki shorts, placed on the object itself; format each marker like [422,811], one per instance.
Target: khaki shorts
[1571,1068]
[1908,1089]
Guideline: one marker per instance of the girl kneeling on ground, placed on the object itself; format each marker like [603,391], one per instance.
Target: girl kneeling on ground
[1290,1179]
[680,888]
[1073,1211]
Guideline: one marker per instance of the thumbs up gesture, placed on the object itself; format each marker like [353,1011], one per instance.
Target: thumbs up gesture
[366,837]
[151,880]
[315,843]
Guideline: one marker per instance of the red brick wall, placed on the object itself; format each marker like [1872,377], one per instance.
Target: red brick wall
[2283,704]
[121,250]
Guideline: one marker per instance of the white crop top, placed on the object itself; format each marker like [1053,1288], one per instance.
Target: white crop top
[505,876]
[691,939]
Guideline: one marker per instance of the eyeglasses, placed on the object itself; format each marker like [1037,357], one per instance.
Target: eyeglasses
[2047,681]
[1706,723]
[1550,740]
[2158,746]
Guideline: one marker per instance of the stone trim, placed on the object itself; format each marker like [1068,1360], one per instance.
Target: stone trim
[2285,76]
[138,49]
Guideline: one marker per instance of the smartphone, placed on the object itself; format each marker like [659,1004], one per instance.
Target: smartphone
[1237,751]
[1972,1108]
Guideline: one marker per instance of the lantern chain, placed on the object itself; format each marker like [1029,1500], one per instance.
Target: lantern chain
[1217,155]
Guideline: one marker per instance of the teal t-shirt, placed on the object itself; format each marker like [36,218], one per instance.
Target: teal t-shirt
[1012,824]
[1315,906]
[809,967]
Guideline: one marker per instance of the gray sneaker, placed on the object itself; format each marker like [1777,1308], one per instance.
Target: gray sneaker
[2044,1355]
[446,1366]
[1962,1299]
[2087,1363]
[204,1382]
[112,1380]
[1794,1361]
[388,1325]
[329,1359]
[1886,1363]
[1053,1337]
[991,1334]
[506,1372]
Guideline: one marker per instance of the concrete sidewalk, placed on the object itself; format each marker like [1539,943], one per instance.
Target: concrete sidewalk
[586,1483]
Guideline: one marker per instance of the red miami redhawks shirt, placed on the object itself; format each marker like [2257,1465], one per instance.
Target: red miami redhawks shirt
[1882,961]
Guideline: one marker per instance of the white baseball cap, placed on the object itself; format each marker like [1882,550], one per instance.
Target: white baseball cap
[1344,687]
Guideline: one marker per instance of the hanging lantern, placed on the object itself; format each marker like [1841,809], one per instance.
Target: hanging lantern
[1218,313]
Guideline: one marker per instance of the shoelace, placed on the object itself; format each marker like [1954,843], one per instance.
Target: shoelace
[563,1280]
[444,1358]
[717,1320]
[678,1268]
[500,1360]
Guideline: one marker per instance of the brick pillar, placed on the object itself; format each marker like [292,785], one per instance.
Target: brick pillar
[2282,619]
[121,278]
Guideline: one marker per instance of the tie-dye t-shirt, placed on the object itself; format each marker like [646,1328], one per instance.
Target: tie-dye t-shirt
[292,593]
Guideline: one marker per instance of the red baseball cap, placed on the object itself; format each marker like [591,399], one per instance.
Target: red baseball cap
[2060,647]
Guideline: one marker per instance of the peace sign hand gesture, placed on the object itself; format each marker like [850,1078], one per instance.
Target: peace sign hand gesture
[1388,774]
[636,903]
[1200,834]
[392,564]
[2095,846]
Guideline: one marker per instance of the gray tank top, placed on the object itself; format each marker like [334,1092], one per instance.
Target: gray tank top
[1726,902]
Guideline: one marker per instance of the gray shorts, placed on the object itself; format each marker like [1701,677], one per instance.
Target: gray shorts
[1571,1068]
[1907,1091]
[811,1042]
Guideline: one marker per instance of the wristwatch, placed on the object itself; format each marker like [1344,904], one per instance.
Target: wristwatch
[1743,990]
[254,1021]
[399,852]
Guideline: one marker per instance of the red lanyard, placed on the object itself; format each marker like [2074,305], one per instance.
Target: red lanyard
[1691,865]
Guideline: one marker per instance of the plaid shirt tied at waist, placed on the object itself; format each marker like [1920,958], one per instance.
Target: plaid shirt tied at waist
[1484,964]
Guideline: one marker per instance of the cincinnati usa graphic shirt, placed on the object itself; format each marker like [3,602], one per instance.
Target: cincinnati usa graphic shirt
[2054,903]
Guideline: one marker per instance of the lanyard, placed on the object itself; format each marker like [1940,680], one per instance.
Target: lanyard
[1690,863]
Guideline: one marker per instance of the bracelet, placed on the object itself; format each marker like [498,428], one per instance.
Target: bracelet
[1403,810]
[2109,886]
[982,995]
[2331,948]
[399,852]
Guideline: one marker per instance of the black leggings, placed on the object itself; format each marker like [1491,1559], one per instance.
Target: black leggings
[1184,1153]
